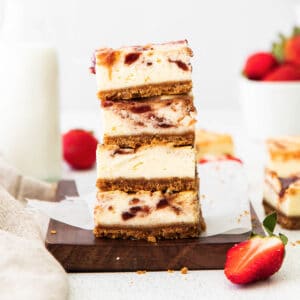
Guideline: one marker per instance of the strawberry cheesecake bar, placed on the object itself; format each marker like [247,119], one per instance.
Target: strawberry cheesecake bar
[284,155]
[143,71]
[282,181]
[146,167]
[147,214]
[213,144]
[155,120]
[149,167]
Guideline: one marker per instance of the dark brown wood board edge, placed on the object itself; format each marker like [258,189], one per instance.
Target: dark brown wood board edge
[114,255]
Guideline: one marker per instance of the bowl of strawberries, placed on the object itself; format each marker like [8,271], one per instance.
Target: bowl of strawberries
[270,89]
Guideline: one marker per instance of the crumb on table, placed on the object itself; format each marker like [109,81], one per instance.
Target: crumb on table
[151,239]
[170,271]
[140,272]
[184,270]
[53,231]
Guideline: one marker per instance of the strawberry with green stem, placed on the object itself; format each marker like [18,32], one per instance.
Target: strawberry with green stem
[257,258]
[287,49]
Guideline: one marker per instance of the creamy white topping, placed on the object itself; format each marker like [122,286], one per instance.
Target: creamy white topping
[156,64]
[214,150]
[212,143]
[289,203]
[284,168]
[282,146]
[145,209]
[159,161]
[284,155]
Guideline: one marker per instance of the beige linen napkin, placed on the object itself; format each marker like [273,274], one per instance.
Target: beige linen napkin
[27,269]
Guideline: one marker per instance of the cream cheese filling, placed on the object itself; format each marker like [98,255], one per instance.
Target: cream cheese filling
[284,168]
[214,149]
[289,204]
[124,122]
[143,209]
[160,161]
[141,72]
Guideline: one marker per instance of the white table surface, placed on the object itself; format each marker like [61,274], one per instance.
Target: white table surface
[210,284]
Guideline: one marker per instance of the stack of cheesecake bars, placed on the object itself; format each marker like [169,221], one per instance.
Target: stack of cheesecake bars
[146,167]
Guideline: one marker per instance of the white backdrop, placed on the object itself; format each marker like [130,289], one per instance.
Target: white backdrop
[220,32]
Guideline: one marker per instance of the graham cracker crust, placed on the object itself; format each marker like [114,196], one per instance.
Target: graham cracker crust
[135,141]
[173,184]
[150,233]
[126,104]
[147,90]
[283,220]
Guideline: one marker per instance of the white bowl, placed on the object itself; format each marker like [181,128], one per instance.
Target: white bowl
[270,108]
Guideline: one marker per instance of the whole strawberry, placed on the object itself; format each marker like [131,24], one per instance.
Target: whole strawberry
[79,149]
[259,64]
[257,258]
[287,48]
[284,72]
[292,50]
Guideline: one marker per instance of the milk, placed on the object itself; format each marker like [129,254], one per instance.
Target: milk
[29,98]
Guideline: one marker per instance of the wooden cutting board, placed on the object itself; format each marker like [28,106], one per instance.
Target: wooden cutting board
[79,251]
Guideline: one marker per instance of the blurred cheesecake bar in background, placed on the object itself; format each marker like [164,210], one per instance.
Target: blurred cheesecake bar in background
[284,155]
[282,181]
[213,144]
[143,71]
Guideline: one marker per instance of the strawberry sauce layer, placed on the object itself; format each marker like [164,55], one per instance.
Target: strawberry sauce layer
[220,158]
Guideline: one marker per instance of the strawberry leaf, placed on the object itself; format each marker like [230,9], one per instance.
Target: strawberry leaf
[279,45]
[296,31]
[278,48]
[283,238]
[269,223]
[253,234]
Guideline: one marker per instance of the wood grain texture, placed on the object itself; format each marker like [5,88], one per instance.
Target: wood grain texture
[79,251]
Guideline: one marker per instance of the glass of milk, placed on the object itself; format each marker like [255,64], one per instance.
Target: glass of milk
[29,97]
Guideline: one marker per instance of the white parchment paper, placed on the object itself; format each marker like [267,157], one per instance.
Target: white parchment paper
[223,196]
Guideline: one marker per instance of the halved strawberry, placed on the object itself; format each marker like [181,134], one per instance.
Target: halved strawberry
[259,64]
[257,258]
